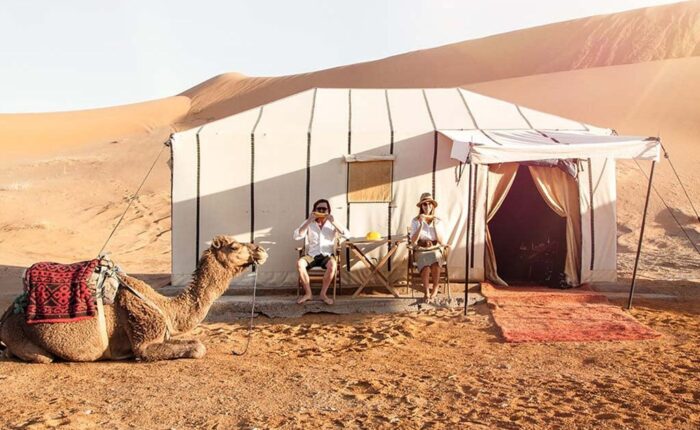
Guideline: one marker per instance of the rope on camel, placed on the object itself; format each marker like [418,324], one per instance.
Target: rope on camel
[252,315]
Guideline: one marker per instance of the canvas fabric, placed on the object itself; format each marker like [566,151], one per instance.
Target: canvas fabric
[560,192]
[254,174]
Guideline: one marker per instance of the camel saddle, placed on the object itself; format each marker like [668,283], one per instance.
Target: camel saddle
[61,293]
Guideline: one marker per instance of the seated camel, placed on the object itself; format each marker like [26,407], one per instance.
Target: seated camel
[136,326]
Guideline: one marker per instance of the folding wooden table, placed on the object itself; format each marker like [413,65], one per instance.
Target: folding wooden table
[356,247]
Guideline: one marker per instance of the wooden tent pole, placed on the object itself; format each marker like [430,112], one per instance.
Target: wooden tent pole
[641,237]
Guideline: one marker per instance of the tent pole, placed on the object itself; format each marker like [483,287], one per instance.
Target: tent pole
[641,237]
[466,250]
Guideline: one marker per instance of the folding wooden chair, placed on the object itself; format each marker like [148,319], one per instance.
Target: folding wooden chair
[413,278]
[316,274]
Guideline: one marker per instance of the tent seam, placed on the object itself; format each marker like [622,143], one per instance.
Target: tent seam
[197,224]
[308,154]
[435,140]
[466,105]
[252,176]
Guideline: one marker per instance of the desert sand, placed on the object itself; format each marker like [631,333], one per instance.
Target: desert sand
[65,179]
[429,370]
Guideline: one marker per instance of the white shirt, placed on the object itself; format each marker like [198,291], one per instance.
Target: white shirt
[319,239]
[428,232]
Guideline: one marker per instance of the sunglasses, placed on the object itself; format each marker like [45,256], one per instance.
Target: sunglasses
[426,204]
[321,209]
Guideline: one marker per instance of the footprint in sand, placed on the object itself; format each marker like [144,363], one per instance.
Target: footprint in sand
[73,419]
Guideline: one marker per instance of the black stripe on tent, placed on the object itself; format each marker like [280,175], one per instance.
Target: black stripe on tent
[547,136]
[590,188]
[524,117]
[308,155]
[391,151]
[197,217]
[172,185]
[473,226]
[490,138]
[435,141]
[252,176]
[466,106]
[347,176]
[391,122]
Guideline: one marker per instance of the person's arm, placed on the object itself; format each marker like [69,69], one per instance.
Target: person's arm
[300,233]
[344,232]
[416,225]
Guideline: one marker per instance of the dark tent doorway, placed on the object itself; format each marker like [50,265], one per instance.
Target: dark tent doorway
[529,239]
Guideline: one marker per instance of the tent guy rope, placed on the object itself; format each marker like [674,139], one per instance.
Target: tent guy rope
[668,208]
[131,200]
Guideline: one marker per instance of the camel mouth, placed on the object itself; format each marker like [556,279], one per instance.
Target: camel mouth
[260,256]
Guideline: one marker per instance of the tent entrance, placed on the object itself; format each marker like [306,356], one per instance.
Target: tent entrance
[529,238]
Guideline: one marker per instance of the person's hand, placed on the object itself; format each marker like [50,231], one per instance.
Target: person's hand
[330,218]
[311,218]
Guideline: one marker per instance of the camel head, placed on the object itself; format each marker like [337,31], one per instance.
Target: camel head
[234,255]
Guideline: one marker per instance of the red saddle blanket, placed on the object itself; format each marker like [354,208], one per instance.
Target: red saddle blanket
[59,292]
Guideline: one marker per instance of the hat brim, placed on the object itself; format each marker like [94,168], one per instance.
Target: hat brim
[435,204]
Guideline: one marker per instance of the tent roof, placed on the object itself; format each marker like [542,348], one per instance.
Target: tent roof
[502,146]
[492,130]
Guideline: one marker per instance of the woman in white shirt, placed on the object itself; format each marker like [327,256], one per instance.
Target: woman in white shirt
[426,236]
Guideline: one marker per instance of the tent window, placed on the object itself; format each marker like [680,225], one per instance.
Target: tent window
[370,181]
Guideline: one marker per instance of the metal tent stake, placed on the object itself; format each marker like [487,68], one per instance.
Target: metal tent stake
[641,237]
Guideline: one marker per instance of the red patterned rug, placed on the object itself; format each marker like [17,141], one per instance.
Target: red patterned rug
[59,292]
[539,314]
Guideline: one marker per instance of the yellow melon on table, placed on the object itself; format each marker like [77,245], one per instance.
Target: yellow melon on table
[373,235]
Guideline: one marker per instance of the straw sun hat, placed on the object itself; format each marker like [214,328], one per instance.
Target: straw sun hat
[426,197]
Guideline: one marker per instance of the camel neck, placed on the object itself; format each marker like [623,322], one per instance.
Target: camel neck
[210,281]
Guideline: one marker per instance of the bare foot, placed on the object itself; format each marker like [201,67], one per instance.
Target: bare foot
[426,298]
[327,300]
[304,298]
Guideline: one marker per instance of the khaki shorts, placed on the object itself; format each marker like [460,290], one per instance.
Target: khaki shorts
[318,261]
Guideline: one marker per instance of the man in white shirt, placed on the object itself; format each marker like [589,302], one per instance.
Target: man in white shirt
[319,231]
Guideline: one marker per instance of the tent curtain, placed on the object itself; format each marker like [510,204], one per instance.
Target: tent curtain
[560,192]
[500,179]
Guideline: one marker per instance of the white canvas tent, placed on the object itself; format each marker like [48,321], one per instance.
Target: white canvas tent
[255,174]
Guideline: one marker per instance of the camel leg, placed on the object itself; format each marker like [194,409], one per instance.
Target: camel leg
[169,350]
[18,345]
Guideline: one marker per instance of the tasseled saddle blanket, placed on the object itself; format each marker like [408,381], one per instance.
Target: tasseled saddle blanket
[55,292]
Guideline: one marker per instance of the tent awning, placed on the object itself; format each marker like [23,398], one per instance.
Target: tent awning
[503,146]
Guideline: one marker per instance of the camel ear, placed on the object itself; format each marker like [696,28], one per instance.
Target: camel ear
[219,242]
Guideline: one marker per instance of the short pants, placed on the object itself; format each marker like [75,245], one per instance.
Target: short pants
[318,261]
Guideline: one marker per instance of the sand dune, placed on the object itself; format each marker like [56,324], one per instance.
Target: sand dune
[50,133]
[641,35]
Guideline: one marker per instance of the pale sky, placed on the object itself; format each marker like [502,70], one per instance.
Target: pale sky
[79,54]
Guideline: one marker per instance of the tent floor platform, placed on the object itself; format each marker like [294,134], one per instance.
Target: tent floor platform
[277,302]
[228,308]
